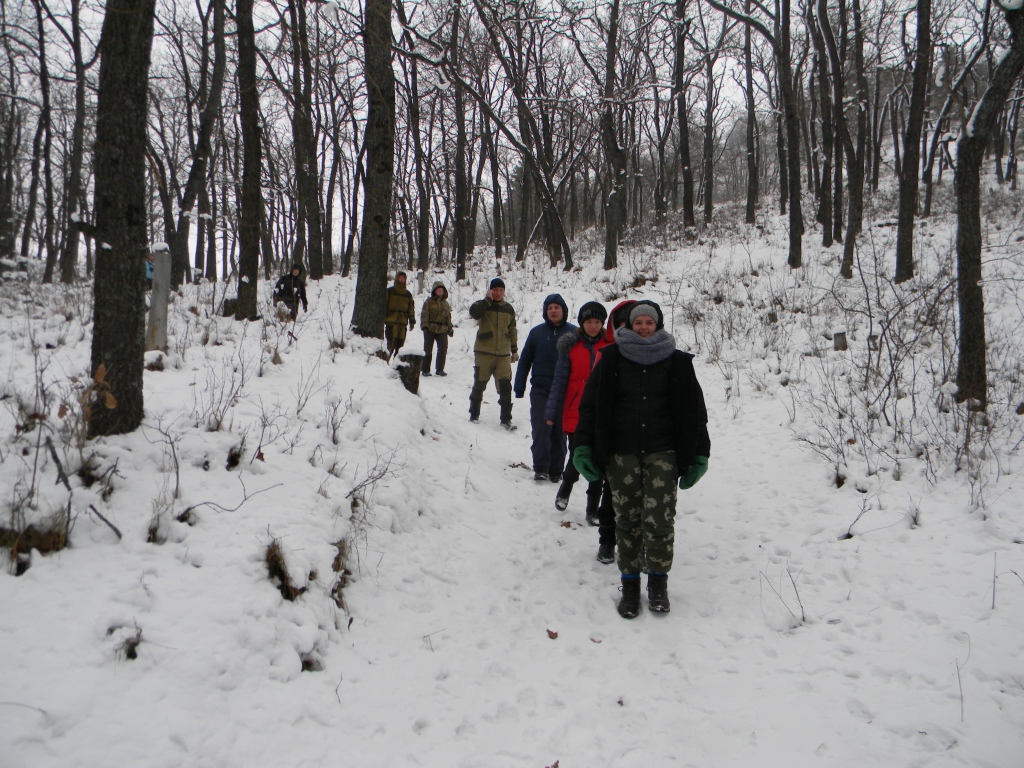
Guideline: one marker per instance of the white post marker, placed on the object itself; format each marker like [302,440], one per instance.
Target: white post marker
[156,332]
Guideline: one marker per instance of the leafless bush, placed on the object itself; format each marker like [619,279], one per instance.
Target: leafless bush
[221,391]
[308,385]
[336,411]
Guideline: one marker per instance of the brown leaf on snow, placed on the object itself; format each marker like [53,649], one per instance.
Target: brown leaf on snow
[565,524]
[596,640]
[552,634]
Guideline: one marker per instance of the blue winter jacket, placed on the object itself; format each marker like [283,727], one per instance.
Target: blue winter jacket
[540,353]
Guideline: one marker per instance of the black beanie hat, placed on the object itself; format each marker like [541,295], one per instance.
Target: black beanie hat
[497,283]
[590,310]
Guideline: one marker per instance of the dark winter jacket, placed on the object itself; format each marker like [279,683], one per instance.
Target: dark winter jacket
[291,289]
[496,333]
[436,315]
[540,353]
[629,408]
[577,356]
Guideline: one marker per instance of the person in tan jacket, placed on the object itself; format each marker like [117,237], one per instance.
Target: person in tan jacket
[436,324]
[496,348]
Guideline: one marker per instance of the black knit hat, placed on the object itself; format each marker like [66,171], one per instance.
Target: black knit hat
[497,283]
[592,310]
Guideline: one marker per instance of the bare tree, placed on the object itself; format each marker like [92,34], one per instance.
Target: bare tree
[971,376]
[120,227]
[375,240]
[912,144]
[781,45]
[251,216]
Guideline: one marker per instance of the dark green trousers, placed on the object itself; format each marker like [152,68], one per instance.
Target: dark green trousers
[644,496]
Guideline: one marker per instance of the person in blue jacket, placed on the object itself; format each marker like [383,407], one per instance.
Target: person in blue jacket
[539,357]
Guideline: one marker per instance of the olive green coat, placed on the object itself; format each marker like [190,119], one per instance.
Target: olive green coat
[497,332]
[400,309]
[436,315]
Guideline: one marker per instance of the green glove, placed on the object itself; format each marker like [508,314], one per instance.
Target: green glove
[583,460]
[696,471]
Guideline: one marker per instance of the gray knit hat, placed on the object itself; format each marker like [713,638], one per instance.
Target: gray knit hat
[643,308]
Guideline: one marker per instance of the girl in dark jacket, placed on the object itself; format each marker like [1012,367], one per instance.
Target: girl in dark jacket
[644,423]
[578,354]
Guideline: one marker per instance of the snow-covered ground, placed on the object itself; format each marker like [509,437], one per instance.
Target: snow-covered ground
[810,624]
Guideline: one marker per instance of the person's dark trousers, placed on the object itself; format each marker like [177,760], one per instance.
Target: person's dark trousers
[570,474]
[606,511]
[548,441]
[428,350]
[393,344]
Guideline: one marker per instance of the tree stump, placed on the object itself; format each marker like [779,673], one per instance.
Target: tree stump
[156,332]
[839,341]
[409,365]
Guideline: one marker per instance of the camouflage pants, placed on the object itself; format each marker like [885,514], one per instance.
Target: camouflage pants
[644,496]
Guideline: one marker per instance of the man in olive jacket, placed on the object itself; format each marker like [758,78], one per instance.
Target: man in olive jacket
[496,348]
[400,309]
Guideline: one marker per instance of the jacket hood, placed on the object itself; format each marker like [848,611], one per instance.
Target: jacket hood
[297,265]
[619,314]
[438,284]
[555,298]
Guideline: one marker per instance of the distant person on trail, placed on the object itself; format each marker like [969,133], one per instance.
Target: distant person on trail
[540,354]
[150,261]
[496,348]
[643,422]
[578,354]
[436,324]
[291,289]
[399,312]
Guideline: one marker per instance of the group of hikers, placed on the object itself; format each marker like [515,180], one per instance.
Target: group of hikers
[613,393]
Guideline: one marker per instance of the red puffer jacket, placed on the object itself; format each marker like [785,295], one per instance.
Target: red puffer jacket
[582,358]
[577,357]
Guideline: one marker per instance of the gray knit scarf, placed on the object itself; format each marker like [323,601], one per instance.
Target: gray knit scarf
[657,347]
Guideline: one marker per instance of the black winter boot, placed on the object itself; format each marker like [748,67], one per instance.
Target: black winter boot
[606,552]
[562,495]
[593,518]
[657,592]
[629,603]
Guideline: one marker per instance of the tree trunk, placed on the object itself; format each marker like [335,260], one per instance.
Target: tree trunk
[709,140]
[375,239]
[617,156]
[789,105]
[753,189]
[461,208]
[203,150]
[856,162]
[912,145]
[682,29]
[119,324]
[251,214]
[971,375]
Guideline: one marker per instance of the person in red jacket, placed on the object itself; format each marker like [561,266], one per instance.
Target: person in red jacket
[578,353]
